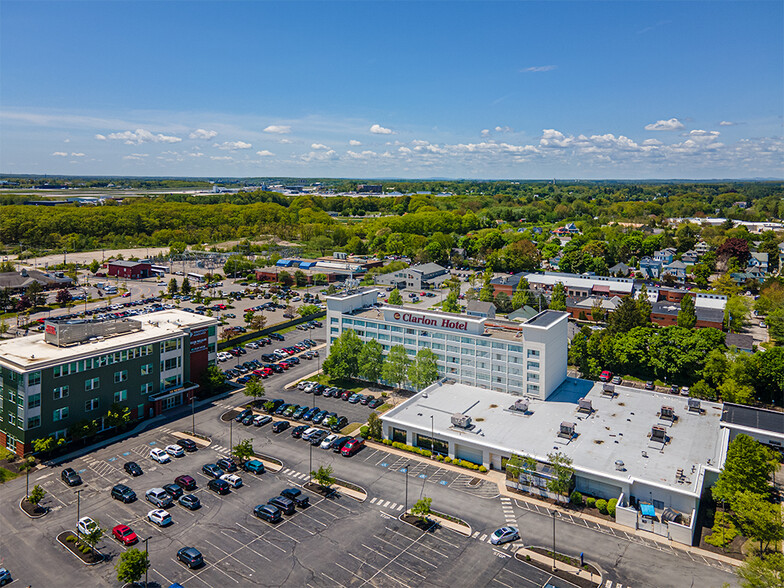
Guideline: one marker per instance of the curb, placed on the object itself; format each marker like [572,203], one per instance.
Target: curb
[68,549]
[524,550]
[196,440]
[28,514]
[349,491]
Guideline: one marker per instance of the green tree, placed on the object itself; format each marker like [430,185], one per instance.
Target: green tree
[35,293]
[213,379]
[687,315]
[625,318]
[319,279]
[597,311]
[374,426]
[117,415]
[503,303]
[254,388]
[395,297]
[736,313]
[63,297]
[94,266]
[300,279]
[321,243]
[775,321]
[323,476]
[43,445]
[132,565]
[702,273]
[488,290]
[285,278]
[423,371]
[702,390]
[561,464]
[716,367]
[762,572]
[244,450]
[395,366]
[371,358]
[758,519]
[747,467]
[93,536]
[644,306]
[343,359]
[186,285]
[173,287]
[558,298]
[731,390]
[36,496]
[422,508]
[450,302]
[522,295]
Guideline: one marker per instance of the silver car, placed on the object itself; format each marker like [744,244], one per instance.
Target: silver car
[504,535]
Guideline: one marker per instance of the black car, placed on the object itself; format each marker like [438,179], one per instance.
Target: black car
[338,444]
[286,505]
[70,477]
[297,496]
[213,470]
[268,512]
[296,432]
[174,489]
[318,437]
[280,426]
[248,420]
[375,403]
[124,493]
[190,502]
[190,556]
[649,385]
[282,408]
[268,357]
[187,445]
[339,424]
[243,414]
[276,336]
[133,468]
[219,486]
[227,465]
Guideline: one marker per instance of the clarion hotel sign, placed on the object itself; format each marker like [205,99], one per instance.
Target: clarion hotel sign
[440,322]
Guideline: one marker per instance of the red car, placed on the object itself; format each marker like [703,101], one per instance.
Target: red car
[606,376]
[124,534]
[267,371]
[352,446]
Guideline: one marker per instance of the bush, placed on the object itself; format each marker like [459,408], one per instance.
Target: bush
[70,539]
[482,469]
[590,502]
[613,502]
[447,459]
[364,430]
[723,531]
[576,498]
[387,441]
[439,458]
[601,504]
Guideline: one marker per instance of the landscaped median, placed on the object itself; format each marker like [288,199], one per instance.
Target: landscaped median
[87,555]
[270,463]
[566,567]
[338,487]
[425,518]
[461,463]
[202,440]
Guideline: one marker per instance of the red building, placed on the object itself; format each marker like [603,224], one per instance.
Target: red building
[133,270]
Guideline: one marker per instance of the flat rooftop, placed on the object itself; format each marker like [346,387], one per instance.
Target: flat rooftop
[32,352]
[618,428]
[754,418]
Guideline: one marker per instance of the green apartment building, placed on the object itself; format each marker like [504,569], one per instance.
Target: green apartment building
[76,370]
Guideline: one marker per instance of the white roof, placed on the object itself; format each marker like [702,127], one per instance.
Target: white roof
[575,281]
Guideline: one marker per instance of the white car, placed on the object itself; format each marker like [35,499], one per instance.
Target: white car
[160,455]
[253,345]
[86,525]
[159,516]
[233,479]
[175,450]
[328,441]
[504,535]
[307,433]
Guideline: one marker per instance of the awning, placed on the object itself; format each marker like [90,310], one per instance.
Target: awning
[647,509]
[602,288]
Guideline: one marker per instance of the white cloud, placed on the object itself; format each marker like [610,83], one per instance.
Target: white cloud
[140,136]
[503,129]
[60,154]
[220,157]
[265,153]
[727,123]
[538,68]
[77,154]
[701,133]
[232,145]
[196,154]
[67,141]
[364,155]
[318,146]
[100,137]
[136,156]
[354,143]
[485,132]
[420,142]
[672,124]
[284,141]
[320,156]
[379,130]
[203,134]
[553,138]
[278,129]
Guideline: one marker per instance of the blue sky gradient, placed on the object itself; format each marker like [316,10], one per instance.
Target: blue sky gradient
[393,89]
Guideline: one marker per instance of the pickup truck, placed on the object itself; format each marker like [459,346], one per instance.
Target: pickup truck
[296,495]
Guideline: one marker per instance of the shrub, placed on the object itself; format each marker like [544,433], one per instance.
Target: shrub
[364,430]
[601,504]
[590,502]
[576,498]
[387,441]
[447,459]
[611,504]
[482,469]
[70,539]
[439,458]
[723,531]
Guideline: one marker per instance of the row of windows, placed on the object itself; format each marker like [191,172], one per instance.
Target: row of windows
[76,367]
[63,392]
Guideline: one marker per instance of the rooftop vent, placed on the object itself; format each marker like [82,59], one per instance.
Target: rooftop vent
[584,405]
[668,413]
[608,390]
[461,420]
[567,430]
[619,465]
[520,405]
[658,434]
[694,405]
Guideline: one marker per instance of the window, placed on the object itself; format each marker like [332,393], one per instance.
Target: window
[146,388]
[60,414]
[410,332]
[399,435]
[410,341]
[438,336]
[466,351]
[34,422]
[121,395]
[533,353]
[533,365]
[333,329]
[438,345]
[533,388]
[34,400]
[333,320]
[11,419]
[171,345]
[120,376]
[452,349]
[383,337]
[515,349]
[92,384]
[34,379]
[147,369]
[171,363]
[396,329]
[482,343]
[533,377]
[61,392]
[92,404]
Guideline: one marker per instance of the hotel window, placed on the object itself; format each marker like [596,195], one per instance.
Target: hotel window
[410,332]
[499,345]
[34,422]
[513,371]
[515,349]
[438,345]
[438,335]
[360,333]
[451,370]
[499,356]
[333,329]
[533,377]
[466,351]
[498,379]
[467,340]
[60,414]
[121,395]
[171,345]
[34,401]
[468,362]
[481,364]
[383,337]
[396,339]
[12,396]
[92,404]
[424,334]
[348,322]
[468,373]
[482,343]
[515,359]
[333,320]
[515,383]
[533,353]
[453,338]
[61,392]
[92,384]
[452,359]
[359,323]
[498,367]
[34,379]
[481,353]
[383,327]
[410,341]
[452,349]
[533,365]
[396,329]
[480,376]
[533,388]
[146,369]
[120,376]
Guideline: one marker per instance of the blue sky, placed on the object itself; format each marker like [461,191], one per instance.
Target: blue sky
[393,89]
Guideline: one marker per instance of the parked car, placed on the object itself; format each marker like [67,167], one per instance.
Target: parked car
[617,380]
[268,512]
[262,419]
[504,535]
[175,490]
[685,391]
[219,486]
[253,465]
[310,413]
[286,505]
[160,455]
[317,437]
[232,479]
[327,442]
[85,525]
[124,493]
[187,445]
[296,432]
[248,420]
[345,395]
[175,450]
[366,399]
[191,557]
[375,403]
[649,385]
[190,501]
[309,433]
[159,497]
[243,414]
[339,424]
[352,446]
[339,443]
[160,517]
[185,482]
[213,470]
[605,376]
[318,417]
[5,577]
[124,534]
[133,468]
[296,495]
[70,477]
[675,389]
[280,426]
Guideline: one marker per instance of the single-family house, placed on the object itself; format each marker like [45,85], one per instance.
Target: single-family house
[690,257]
[676,269]
[665,255]
[650,268]
[701,248]
[759,261]
[620,269]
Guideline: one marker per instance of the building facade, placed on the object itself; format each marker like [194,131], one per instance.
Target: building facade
[416,277]
[528,358]
[133,270]
[76,370]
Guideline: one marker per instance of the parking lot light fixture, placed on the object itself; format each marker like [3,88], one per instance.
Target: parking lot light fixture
[405,509]
[78,509]
[552,512]
[147,557]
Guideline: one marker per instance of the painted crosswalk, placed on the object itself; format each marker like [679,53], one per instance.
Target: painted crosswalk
[611,584]
[386,503]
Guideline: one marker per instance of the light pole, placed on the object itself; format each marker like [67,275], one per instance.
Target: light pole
[231,429]
[147,557]
[78,509]
[552,512]
[432,438]
[406,506]
[193,414]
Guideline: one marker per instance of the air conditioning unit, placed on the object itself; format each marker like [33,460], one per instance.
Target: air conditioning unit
[520,405]
[461,420]
[668,413]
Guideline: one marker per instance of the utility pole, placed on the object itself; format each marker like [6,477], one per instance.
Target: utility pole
[231,428]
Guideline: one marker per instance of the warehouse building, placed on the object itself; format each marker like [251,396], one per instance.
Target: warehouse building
[76,370]
[516,358]
[417,277]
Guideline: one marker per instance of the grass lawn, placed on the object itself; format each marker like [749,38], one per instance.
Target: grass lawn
[6,475]
[383,408]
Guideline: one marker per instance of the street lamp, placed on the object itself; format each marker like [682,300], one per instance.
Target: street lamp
[406,471]
[231,429]
[78,509]
[432,437]
[552,512]
[147,557]
[193,414]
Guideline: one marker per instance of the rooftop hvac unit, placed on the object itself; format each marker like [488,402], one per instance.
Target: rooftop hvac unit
[520,405]
[584,405]
[694,405]
[658,434]
[668,413]
[461,420]
[567,430]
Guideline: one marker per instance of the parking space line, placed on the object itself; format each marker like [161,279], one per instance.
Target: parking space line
[230,555]
[417,541]
[373,500]
[263,538]
[291,522]
[247,546]
[352,573]
[516,575]
[333,579]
